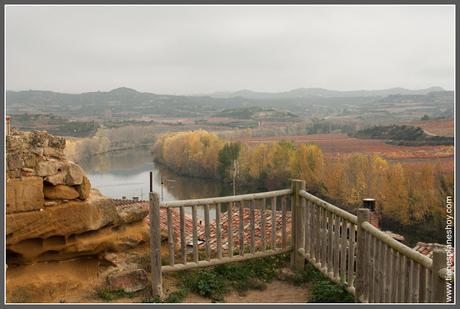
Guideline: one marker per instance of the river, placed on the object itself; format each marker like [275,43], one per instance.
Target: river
[127,172]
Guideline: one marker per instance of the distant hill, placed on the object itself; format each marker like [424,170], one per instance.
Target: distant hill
[309,102]
[320,92]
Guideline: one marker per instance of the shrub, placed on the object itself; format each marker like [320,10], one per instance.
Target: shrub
[325,291]
[239,276]
[310,274]
[108,295]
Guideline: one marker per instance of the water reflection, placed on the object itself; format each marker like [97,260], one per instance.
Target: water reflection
[126,173]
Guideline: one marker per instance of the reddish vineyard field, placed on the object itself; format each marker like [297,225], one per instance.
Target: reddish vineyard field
[343,144]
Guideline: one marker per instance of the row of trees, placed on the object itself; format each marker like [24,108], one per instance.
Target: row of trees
[406,195]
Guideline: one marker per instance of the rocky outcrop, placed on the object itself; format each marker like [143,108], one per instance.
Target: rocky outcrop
[53,213]
[39,154]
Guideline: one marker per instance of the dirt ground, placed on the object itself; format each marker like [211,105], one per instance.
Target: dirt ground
[77,281]
[65,281]
[276,292]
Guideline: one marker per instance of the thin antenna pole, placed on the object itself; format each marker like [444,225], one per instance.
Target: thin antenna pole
[162,188]
[151,181]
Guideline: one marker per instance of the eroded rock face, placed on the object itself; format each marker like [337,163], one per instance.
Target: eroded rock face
[57,248]
[24,194]
[63,219]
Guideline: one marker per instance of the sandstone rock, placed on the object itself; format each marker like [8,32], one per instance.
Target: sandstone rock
[87,243]
[27,149]
[60,192]
[129,280]
[67,173]
[14,161]
[31,160]
[84,189]
[50,203]
[24,194]
[49,167]
[132,212]
[56,142]
[28,172]
[57,179]
[63,219]
[53,152]
[38,138]
[74,174]
[128,260]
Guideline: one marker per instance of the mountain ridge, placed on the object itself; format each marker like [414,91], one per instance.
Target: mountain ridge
[322,92]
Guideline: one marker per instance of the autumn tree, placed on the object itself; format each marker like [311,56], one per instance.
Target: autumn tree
[226,159]
[308,165]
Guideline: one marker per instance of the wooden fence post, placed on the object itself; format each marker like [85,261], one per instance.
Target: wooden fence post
[298,223]
[439,284]
[361,258]
[155,244]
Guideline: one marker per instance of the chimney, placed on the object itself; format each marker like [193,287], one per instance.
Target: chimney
[8,125]
[374,217]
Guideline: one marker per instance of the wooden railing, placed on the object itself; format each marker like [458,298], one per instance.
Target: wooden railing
[230,245]
[346,248]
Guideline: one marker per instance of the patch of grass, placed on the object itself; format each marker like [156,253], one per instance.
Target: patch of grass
[177,296]
[325,291]
[173,297]
[109,295]
[308,275]
[215,282]
[152,299]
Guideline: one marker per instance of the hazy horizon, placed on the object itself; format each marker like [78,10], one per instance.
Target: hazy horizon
[193,50]
[218,91]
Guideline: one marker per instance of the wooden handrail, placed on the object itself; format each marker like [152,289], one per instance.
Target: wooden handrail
[334,209]
[226,199]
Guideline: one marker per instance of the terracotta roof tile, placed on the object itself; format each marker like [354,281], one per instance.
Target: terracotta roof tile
[235,222]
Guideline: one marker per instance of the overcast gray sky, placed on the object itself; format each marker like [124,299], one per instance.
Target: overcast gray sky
[202,49]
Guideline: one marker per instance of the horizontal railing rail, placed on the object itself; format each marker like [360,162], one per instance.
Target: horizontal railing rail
[226,199]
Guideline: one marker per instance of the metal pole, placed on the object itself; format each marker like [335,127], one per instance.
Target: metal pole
[162,180]
[234,177]
[151,181]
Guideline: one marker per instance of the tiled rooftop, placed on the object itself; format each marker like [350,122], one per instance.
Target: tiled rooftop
[235,222]
[428,248]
